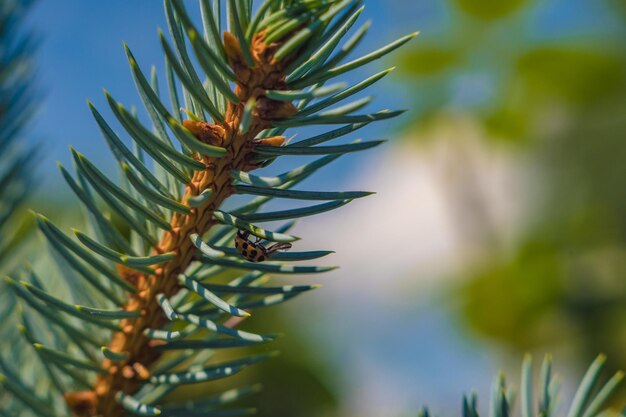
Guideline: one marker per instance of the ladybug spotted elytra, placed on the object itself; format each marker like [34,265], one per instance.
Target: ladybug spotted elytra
[255,251]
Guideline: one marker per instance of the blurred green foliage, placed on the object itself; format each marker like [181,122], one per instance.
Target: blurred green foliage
[522,291]
[563,283]
[298,382]
[578,76]
[488,9]
[430,60]
[573,281]
[522,77]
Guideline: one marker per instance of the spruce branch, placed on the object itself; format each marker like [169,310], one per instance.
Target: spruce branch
[155,291]
[542,400]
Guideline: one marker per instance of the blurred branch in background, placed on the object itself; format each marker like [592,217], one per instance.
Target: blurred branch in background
[16,109]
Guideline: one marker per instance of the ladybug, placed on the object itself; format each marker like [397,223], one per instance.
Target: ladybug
[255,251]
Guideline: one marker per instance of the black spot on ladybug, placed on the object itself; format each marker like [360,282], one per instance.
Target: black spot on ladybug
[253,253]
[245,245]
[261,258]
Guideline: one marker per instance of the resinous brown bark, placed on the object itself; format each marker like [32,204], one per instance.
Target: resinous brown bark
[128,375]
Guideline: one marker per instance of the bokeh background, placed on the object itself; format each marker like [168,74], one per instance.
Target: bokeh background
[499,223]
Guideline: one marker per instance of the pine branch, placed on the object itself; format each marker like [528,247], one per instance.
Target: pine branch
[153,292]
[590,399]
